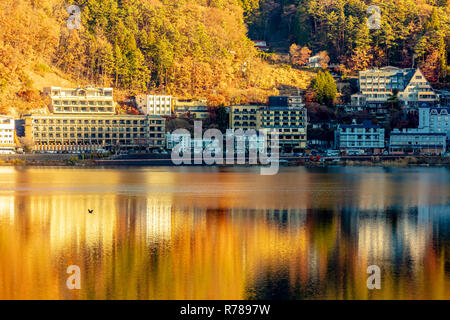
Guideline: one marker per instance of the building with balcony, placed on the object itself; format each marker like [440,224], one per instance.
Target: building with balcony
[154,105]
[88,100]
[59,132]
[196,109]
[7,144]
[244,117]
[289,122]
[435,120]
[377,85]
[417,141]
[365,137]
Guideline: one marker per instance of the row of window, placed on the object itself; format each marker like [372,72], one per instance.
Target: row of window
[82,103]
[100,129]
[360,130]
[94,136]
[362,144]
[89,121]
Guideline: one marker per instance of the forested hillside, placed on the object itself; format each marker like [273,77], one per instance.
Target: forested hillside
[410,29]
[202,48]
[188,48]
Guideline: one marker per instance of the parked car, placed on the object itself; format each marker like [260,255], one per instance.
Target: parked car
[333,153]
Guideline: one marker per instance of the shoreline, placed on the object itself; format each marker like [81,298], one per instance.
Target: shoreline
[71,160]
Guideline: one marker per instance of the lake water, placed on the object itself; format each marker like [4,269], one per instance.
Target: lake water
[211,233]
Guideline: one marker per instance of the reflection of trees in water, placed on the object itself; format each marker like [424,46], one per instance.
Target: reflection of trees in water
[146,247]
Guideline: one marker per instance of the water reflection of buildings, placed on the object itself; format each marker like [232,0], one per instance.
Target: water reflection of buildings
[158,245]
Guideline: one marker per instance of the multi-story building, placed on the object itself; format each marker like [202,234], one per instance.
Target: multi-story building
[84,119]
[435,120]
[417,141]
[7,144]
[377,85]
[88,100]
[94,132]
[289,122]
[154,104]
[244,117]
[365,137]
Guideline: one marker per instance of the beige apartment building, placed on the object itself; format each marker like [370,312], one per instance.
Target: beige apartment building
[244,117]
[94,132]
[289,122]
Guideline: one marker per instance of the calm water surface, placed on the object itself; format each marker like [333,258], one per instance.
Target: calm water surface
[209,233]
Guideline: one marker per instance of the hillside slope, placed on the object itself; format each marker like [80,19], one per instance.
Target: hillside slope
[191,49]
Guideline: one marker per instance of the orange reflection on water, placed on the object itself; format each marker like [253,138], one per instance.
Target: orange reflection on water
[168,234]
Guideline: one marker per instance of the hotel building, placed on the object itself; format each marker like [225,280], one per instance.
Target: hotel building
[360,137]
[94,132]
[377,85]
[7,144]
[289,122]
[155,105]
[285,115]
[86,126]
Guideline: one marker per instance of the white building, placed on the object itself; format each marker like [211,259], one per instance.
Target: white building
[315,62]
[154,104]
[417,141]
[247,141]
[360,137]
[377,85]
[87,100]
[7,145]
[435,120]
[191,144]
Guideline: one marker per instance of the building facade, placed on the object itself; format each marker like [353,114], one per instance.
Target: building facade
[88,100]
[94,132]
[154,104]
[289,122]
[196,109]
[186,143]
[377,85]
[435,120]
[7,144]
[364,137]
[416,141]
[84,119]
[244,117]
